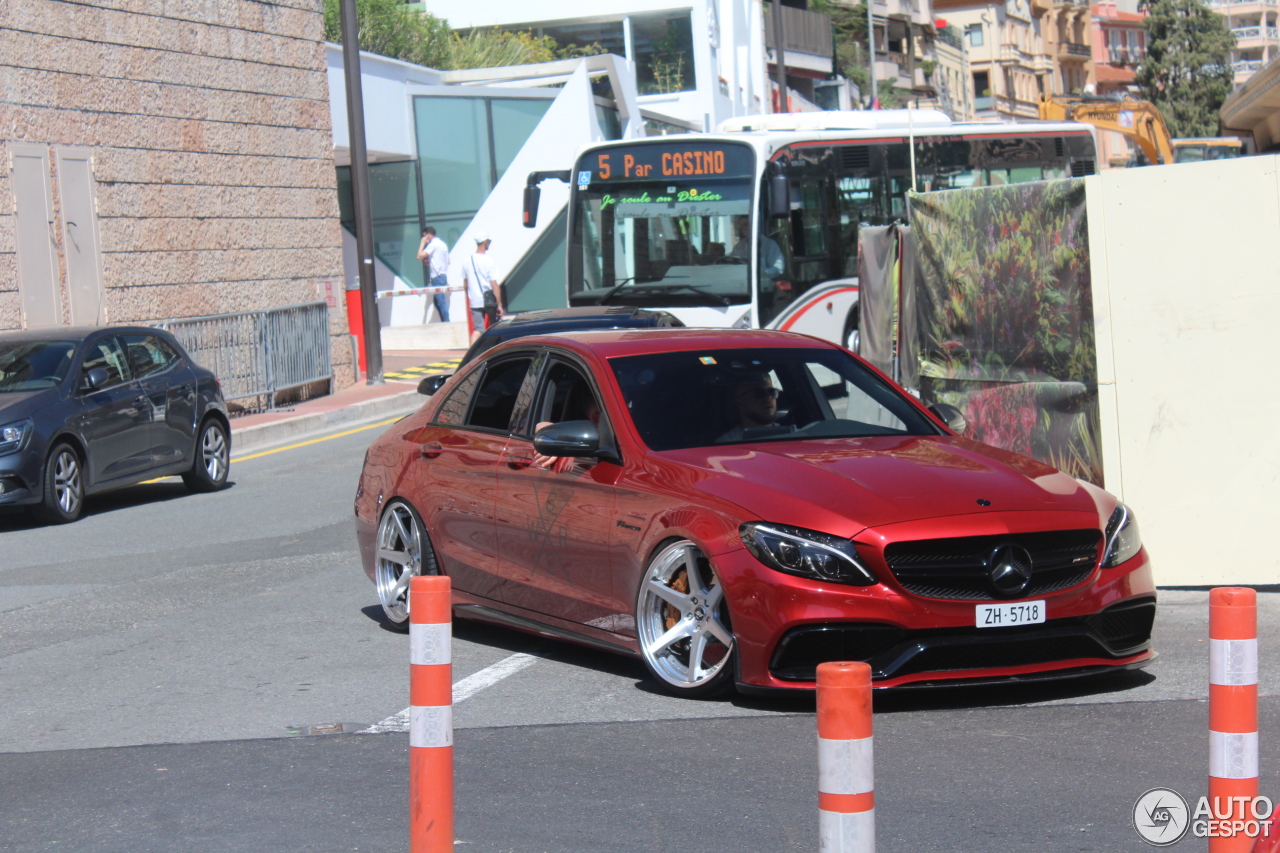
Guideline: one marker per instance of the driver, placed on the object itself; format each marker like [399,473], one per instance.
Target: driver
[755,405]
[560,464]
[772,263]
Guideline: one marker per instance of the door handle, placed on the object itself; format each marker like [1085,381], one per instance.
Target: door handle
[518,462]
[141,400]
[431,451]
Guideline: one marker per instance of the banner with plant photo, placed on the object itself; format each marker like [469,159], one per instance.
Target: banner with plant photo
[1006,318]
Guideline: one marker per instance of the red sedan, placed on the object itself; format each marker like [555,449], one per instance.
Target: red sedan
[737,507]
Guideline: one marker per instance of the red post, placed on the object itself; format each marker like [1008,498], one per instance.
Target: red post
[1233,712]
[430,715]
[846,789]
[355,322]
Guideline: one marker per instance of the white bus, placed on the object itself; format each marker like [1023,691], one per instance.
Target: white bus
[756,226]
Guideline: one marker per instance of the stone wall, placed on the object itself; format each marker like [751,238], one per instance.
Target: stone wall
[210,126]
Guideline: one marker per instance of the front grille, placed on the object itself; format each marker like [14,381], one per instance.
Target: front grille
[959,568]
[1117,632]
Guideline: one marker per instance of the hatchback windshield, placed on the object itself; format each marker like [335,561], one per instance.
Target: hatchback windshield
[33,365]
[704,398]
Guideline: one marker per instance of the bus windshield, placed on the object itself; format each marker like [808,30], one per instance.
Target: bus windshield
[662,224]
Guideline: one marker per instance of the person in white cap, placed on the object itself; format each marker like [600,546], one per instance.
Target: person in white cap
[483,293]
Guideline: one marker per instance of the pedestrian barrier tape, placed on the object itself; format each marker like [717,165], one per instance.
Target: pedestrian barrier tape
[419,291]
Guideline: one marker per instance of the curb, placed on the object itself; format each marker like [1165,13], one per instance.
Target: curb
[260,435]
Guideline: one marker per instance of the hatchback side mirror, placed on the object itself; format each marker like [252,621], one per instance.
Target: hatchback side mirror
[951,416]
[95,378]
[431,384]
[570,438]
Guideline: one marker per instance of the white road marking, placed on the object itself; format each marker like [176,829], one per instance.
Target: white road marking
[464,689]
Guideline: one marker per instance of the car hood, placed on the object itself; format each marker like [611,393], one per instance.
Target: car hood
[23,404]
[843,486]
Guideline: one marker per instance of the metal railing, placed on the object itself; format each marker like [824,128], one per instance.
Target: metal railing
[1219,3]
[1254,32]
[259,353]
[1071,48]
[1246,65]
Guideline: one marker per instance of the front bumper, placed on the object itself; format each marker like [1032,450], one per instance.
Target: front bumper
[20,475]
[785,626]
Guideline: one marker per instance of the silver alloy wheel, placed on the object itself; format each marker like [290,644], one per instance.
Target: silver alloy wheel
[681,618]
[851,342]
[213,452]
[399,558]
[67,488]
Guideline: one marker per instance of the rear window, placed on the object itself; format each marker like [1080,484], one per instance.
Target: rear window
[721,397]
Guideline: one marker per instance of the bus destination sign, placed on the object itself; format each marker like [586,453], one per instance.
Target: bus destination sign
[655,161]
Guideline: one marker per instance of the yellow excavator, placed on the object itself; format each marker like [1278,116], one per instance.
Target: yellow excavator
[1135,119]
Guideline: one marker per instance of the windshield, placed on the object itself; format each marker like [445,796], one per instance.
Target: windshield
[736,396]
[34,365]
[663,224]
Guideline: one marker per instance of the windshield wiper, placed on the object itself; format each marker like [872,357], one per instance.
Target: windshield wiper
[626,282]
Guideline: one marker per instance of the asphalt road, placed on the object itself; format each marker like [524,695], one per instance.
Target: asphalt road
[163,661]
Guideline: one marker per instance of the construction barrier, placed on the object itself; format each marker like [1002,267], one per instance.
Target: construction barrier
[846,798]
[1233,709]
[430,715]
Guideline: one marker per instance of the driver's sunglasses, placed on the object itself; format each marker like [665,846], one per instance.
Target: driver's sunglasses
[760,393]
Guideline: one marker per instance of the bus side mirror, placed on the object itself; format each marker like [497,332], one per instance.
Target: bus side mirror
[779,195]
[531,197]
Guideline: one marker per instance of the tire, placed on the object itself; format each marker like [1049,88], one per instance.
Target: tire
[63,486]
[212,462]
[682,623]
[403,551]
[851,337]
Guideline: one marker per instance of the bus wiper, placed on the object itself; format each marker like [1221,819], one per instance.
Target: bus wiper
[723,300]
[626,282]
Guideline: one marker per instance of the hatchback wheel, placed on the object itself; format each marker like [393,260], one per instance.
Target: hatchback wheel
[63,486]
[212,464]
[683,623]
[403,551]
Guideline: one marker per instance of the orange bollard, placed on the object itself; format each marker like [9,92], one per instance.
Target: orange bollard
[1233,711]
[430,715]
[846,783]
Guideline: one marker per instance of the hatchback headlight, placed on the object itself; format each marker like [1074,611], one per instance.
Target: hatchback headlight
[806,553]
[1123,541]
[14,436]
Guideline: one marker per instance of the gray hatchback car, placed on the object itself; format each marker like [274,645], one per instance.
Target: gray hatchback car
[83,410]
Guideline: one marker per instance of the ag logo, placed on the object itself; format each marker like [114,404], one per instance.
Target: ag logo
[1161,817]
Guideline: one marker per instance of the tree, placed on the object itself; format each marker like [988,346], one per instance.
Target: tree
[1187,71]
[390,28]
[850,25]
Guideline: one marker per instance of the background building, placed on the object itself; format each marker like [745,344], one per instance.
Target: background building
[1119,44]
[951,79]
[1068,35]
[166,160]
[1007,60]
[1253,22]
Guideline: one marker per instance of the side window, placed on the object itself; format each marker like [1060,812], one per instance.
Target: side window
[567,396]
[496,396]
[454,409]
[148,354]
[108,354]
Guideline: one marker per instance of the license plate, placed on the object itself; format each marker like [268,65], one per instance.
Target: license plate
[1005,615]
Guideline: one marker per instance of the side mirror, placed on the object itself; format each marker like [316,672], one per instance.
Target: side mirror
[531,197]
[95,378]
[431,384]
[571,438]
[951,416]
[779,195]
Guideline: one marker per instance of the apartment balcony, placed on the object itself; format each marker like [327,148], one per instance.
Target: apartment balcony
[1246,65]
[1041,62]
[1255,36]
[1124,56]
[1013,55]
[950,36]
[1071,4]
[804,31]
[1074,51]
[984,102]
[1242,7]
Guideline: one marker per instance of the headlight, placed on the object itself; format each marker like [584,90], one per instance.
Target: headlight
[806,553]
[13,436]
[1123,541]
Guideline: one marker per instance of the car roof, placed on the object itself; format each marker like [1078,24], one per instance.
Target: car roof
[71,333]
[529,322]
[612,343]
